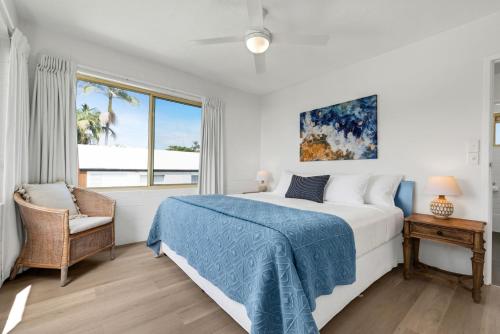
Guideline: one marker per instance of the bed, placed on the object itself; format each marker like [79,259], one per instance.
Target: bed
[376,231]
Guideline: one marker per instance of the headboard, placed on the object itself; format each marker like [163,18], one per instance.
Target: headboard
[404,197]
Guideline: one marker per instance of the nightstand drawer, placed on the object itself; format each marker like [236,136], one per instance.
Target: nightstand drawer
[463,237]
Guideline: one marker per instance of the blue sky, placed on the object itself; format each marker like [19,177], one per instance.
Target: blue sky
[175,123]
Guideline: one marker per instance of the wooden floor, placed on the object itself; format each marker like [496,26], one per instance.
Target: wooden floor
[137,293]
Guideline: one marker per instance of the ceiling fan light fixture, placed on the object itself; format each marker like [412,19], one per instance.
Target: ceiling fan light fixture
[258,41]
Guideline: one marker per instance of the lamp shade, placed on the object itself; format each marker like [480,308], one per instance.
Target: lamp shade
[263,176]
[442,185]
[258,41]
[257,44]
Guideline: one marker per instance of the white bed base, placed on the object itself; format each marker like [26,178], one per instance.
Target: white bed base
[369,268]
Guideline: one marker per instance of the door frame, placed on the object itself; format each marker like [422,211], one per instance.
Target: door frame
[485,155]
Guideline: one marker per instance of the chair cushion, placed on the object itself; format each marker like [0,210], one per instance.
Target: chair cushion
[82,224]
[51,195]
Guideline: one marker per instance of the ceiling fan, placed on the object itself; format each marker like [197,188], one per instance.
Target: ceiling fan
[257,38]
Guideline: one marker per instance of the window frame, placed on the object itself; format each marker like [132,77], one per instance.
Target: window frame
[153,95]
[495,116]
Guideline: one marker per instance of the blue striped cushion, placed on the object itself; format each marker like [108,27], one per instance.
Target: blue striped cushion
[311,188]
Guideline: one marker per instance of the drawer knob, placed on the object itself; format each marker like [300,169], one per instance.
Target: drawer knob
[440,233]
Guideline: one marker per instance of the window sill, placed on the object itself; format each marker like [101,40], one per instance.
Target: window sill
[140,188]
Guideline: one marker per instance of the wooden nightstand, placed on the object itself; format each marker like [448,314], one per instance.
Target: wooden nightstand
[251,192]
[460,232]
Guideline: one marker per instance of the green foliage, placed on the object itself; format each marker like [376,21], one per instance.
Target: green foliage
[194,148]
[88,125]
[109,118]
[113,92]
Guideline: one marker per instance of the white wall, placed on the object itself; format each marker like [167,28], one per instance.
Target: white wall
[8,13]
[242,121]
[430,98]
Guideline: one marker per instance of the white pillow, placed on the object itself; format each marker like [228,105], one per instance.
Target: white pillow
[283,184]
[51,195]
[382,189]
[349,188]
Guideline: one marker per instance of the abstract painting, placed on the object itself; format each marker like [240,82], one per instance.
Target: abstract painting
[344,131]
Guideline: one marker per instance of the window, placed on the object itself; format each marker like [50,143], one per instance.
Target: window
[129,136]
[496,129]
[177,145]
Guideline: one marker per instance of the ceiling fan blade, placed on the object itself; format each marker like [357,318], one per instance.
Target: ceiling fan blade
[219,40]
[260,62]
[255,13]
[318,40]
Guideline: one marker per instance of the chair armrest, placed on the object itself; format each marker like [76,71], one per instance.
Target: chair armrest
[47,233]
[94,204]
[41,220]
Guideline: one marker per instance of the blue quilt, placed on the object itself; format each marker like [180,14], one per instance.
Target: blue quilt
[272,259]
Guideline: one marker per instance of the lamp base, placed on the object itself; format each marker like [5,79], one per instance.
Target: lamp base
[441,208]
[262,188]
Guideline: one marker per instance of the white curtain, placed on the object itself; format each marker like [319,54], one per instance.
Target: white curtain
[14,142]
[53,142]
[211,179]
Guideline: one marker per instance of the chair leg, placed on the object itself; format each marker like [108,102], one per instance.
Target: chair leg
[64,276]
[112,253]
[15,269]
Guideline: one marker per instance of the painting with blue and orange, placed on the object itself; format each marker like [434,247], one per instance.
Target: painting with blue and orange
[344,131]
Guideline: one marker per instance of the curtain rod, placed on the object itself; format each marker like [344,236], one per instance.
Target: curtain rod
[95,71]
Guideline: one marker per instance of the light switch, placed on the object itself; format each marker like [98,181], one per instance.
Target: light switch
[473,146]
[473,158]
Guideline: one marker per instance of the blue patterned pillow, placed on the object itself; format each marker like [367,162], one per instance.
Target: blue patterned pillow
[311,188]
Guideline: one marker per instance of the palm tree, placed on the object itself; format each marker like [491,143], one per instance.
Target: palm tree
[88,125]
[196,146]
[109,118]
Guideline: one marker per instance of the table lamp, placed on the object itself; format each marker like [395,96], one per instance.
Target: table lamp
[263,178]
[442,186]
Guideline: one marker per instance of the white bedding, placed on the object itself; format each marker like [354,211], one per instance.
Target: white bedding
[372,225]
[377,235]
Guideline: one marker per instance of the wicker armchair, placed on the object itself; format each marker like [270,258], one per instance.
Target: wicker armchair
[48,242]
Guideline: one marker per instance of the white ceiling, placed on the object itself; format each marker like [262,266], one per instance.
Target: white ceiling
[161,30]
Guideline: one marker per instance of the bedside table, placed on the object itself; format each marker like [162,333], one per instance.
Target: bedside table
[460,232]
[251,192]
